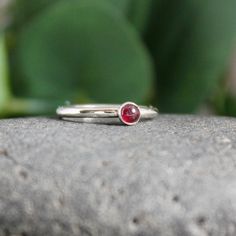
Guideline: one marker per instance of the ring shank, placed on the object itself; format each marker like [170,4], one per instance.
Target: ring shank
[101,111]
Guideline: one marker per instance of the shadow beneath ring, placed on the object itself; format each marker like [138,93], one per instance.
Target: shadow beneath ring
[100,121]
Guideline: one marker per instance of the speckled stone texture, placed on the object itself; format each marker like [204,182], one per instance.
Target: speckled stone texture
[174,176]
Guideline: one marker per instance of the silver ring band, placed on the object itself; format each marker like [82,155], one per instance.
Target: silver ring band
[128,113]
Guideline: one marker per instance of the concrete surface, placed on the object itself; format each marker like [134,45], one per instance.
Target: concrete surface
[175,175]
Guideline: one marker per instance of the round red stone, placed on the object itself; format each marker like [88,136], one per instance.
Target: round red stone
[130,114]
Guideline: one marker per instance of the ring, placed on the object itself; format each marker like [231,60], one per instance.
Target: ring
[128,113]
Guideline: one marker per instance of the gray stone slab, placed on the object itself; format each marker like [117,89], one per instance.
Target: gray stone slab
[175,175]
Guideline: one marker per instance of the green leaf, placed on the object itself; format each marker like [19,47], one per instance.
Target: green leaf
[139,13]
[4,83]
[83,49]
[229,106]
[9,105]
[121,5]
[25,10]
[224,101]
[192,42]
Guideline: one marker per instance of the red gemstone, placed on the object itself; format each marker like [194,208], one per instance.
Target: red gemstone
[129,113]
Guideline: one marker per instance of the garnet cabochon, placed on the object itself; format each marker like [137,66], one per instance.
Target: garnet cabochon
[129,113]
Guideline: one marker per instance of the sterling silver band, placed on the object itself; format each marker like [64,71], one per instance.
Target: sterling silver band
[103,111]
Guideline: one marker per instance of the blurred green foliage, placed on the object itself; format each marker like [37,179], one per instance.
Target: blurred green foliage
[172,54]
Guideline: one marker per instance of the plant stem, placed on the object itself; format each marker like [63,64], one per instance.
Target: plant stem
[5,93]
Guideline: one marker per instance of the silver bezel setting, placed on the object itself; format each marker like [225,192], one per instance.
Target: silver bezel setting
[120,113]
